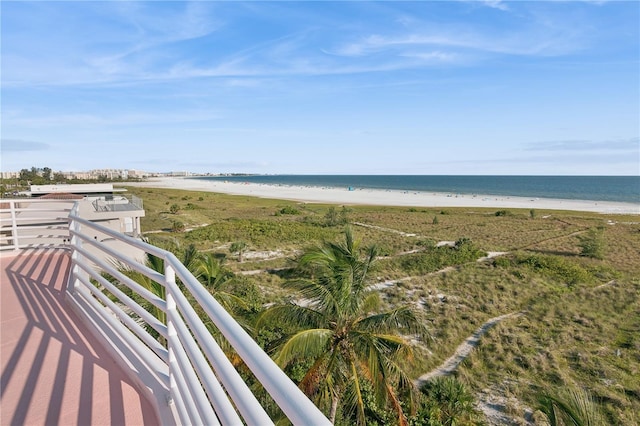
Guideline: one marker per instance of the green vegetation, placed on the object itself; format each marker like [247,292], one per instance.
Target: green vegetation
[239,247]
[573,408]
[592,244]
[447,402]
[580,314]
[341,333]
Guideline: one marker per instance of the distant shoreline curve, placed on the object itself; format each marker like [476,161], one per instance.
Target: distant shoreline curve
[382,197]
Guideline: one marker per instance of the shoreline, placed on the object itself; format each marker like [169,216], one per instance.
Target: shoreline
[384,197]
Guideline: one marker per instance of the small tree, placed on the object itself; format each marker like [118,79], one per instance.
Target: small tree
[331,218]
[177,226]
[592,244]
[239,247]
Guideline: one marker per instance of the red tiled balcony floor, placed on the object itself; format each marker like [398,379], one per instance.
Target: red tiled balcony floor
[53,370]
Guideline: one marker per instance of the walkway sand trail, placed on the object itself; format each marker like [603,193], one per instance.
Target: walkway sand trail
[463,351]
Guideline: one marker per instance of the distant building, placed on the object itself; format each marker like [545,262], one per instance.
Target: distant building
[99,202]
[9,175]
[88,189]
[137,174]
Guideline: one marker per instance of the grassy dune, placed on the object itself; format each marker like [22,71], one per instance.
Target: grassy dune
[581,316]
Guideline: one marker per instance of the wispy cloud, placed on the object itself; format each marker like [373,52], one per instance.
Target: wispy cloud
[127,41]
[523,43]
[135,43]
[20,145]
[494,4]
[94,120]
[630,144]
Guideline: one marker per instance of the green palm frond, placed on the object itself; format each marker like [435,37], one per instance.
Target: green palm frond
[292,315]
[574,407]
[400,319]
[211,272]
[305,344]
[318,293]
[229,301]
[155,263]
[190,257]
[359,401]
[371,302]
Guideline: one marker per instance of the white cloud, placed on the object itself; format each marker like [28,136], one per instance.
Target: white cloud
[20,145]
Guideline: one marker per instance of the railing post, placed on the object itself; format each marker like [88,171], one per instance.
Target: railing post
[170,276]
[14,226]
[76,258]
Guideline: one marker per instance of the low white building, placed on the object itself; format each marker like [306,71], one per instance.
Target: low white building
[96,202]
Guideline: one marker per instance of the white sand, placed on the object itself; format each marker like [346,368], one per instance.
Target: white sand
[342,196]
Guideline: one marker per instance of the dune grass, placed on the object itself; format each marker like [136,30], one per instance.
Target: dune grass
[581,316]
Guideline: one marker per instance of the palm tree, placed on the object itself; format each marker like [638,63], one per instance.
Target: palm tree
[341,332]
[239,247]
[213,275]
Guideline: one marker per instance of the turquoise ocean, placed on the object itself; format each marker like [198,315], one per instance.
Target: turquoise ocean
[596,188]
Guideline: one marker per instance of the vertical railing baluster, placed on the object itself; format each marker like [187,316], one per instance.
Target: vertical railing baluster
[76,257]
[14,226]
[178,400]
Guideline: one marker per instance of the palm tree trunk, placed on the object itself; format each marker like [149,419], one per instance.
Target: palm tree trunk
[334,409]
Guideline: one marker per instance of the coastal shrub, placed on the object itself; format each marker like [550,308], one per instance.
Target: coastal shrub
[435,220]
[191,206]
[177,226]
[174,209]
[557,268]
[502,262]
[503,213]
[592,244]
[447,402]
[331,218]
[426,243]
[289,210]
[246,289]
[436,258]
[335,218]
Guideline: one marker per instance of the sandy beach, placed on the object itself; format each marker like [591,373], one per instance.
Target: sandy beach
[343,196]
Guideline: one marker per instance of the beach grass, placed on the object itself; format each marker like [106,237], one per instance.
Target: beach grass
[580,316]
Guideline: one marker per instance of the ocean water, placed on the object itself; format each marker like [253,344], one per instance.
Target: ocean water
[595,188]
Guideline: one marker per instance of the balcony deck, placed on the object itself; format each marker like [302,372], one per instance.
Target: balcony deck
[53,370]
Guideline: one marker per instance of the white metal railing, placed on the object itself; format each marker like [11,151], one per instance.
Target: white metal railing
[112,203]
[202,385]
[26,223]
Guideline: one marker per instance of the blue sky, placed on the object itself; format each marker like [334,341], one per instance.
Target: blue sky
[455,87]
